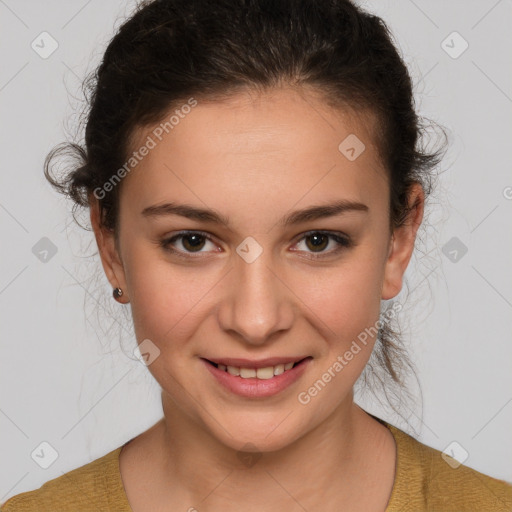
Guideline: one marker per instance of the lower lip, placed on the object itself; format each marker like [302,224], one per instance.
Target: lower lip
[258,388]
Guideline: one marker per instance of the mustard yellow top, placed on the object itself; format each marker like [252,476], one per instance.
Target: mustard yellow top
[423,481]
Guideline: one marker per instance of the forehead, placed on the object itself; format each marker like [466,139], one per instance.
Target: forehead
[256,153]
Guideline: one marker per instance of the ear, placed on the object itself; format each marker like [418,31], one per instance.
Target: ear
[402,244]
[109,254]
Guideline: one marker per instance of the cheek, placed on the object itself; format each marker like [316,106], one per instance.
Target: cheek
[346,307]
[345,300]
[164,297]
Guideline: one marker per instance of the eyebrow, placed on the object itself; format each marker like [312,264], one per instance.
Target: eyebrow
[297,217]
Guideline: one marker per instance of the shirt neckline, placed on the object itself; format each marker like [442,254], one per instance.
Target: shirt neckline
[398,483]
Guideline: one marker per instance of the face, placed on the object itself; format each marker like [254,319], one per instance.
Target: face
[262,283]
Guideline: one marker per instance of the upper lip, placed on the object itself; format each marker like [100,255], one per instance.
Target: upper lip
[251,363]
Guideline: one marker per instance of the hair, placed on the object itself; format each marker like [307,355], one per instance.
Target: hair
[171,50]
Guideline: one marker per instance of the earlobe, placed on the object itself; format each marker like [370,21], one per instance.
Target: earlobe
[402,244]
[110,260]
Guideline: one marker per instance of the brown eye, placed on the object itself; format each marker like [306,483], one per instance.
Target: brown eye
[193,242]
[319,241]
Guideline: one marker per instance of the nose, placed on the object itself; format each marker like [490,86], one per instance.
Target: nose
[258,304]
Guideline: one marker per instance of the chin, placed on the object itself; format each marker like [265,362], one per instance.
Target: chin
[257,435]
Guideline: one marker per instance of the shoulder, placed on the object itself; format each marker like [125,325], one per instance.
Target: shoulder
[94,486]
[428,479]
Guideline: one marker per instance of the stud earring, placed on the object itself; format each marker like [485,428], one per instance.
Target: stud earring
[117,293]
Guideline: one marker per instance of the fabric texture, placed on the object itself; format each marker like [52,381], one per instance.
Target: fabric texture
[424,481]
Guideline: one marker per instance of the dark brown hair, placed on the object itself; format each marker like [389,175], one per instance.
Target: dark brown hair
[171,50]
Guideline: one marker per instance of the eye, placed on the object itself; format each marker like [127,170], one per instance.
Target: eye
[191,241]
[319,240]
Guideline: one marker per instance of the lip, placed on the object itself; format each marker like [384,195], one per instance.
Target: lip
[254,387]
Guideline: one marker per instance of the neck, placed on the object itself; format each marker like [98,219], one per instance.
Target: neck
[198,467]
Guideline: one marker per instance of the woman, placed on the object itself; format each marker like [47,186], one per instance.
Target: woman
[255,186]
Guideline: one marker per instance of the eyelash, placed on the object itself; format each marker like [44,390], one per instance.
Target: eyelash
[343,243]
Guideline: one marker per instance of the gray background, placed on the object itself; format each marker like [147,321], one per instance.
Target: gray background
[65,379]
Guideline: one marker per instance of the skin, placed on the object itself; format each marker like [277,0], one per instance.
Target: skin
[255,158]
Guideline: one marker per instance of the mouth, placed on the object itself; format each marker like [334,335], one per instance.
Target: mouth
[256,379]
[264,369]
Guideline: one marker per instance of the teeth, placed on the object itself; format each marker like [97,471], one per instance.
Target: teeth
[265,373]
[247,373]
[260,373]
[233,370]
[278,369]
